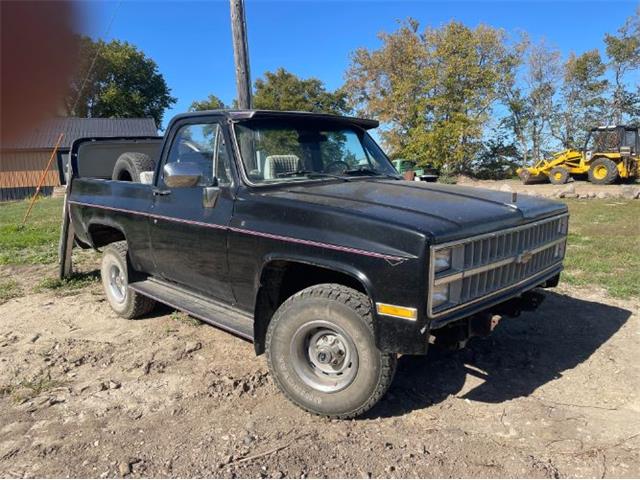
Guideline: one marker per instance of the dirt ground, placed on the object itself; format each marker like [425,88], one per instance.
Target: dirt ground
[549,190]
[83,393]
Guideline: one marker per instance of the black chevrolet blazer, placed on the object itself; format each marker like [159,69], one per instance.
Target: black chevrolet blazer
[294,231]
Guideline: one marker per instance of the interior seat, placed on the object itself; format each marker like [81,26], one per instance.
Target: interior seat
[277,164]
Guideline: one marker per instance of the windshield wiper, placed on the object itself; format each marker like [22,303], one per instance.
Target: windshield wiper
[368,171]
[310,174]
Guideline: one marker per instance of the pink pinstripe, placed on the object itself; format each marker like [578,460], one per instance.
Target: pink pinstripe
[271,236]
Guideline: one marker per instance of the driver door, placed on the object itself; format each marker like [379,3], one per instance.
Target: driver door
[188,228]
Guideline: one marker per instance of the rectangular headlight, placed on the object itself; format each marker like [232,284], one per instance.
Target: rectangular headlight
[440,295]
[442,260]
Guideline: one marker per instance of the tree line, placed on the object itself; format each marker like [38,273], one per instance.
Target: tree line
[469,100]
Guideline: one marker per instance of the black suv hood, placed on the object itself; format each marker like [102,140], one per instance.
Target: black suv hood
[444,212]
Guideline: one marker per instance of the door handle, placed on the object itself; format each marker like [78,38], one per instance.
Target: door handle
[158,192]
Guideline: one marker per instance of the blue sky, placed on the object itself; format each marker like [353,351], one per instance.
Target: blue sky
[191,41]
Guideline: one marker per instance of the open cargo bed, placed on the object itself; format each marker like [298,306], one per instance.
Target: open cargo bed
[93,159]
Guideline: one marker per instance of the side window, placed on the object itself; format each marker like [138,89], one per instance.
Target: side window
[202,145]
[222,161]
[630,139]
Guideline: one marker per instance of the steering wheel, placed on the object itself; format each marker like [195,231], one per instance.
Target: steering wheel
[334,167]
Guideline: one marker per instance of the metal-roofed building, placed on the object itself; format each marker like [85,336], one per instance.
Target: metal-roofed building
[23,161]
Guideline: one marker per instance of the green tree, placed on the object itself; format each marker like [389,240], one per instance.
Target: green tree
[623,51]
[116,79]
[519,119]
[282,90]
[433,90]
[530,100]
[499,157]
[543,72]
[583,103]
[210,103]
[386,84]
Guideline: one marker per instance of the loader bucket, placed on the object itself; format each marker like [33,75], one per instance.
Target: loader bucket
[529,178]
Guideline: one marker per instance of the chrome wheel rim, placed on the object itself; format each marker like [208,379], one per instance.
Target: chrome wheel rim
[324,356]
[117,283]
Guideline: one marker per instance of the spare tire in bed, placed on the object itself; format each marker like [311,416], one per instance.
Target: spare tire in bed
[130,165]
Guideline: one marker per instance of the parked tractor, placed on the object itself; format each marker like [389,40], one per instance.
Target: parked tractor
[610,153]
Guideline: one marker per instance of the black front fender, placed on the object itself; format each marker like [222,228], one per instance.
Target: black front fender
[392,335]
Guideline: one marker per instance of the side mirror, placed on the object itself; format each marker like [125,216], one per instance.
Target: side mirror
[182,174]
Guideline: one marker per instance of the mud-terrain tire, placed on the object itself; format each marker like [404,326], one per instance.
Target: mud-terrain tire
[310,331]
[114,272]
[603,171]
[558,175]
[130,165]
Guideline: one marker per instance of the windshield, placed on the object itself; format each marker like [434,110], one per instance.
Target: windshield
[290,151]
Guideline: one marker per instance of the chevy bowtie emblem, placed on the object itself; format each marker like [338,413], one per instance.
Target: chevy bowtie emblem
[524,257]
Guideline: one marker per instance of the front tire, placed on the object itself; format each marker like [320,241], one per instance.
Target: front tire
[114,272]
[322,353]
[558,175]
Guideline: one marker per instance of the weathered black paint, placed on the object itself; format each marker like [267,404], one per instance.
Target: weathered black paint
[377,231]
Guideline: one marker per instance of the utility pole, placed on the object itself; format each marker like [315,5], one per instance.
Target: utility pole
[241,53]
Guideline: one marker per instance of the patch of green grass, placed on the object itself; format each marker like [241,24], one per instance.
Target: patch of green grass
[603,246]
[27,389]
[37,241]
[67,286]
[602,250]
[184,318]
[168,329]
[9,289]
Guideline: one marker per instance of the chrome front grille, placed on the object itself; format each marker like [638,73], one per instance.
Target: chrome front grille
[482,283]
[509,243]
[487,264]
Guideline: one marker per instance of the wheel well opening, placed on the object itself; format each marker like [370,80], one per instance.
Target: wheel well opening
[102,235]
[282,279]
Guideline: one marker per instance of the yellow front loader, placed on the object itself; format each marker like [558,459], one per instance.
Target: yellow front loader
[609,154]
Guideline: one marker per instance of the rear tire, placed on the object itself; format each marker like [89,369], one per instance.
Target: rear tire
[603,171]
[130,165]
[322,353]
[558,175]
[115,281]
